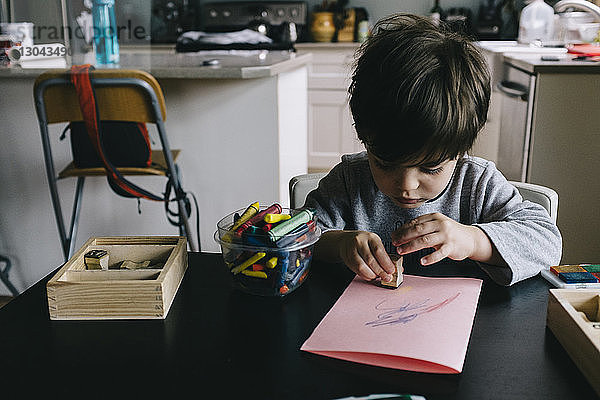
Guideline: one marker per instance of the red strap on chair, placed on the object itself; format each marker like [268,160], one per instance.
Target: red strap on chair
[80,76]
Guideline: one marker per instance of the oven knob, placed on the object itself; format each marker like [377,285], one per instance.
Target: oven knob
[264,13]
[213,13]
[280,12]
[227,13]
[294,12]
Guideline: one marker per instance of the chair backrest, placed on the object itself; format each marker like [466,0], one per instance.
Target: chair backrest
[301,185]
[121,101]
[542,195]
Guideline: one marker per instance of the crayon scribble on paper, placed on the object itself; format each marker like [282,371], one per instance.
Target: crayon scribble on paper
[406,312]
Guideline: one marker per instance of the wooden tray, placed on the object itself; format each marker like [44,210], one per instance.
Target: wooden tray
[574,318]
[77,293]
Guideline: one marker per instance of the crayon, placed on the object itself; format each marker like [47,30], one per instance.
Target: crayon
[301,238]
[297,274]
[254,236]
[253,230]
[283,267]
[273,218]
[248,262]
[250,211]
[272,209]
[292,262]
[255,274]
[295,235]
[246,215]
[267,227]
[280,230]
[303,276]
[253,240]
[271,263]
[299,278]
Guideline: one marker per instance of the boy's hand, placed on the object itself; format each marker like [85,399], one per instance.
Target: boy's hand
[363,253]
[448,237]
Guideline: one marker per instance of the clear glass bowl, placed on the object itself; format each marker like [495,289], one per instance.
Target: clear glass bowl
[260,267]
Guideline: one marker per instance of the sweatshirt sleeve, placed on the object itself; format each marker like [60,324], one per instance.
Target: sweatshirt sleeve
[330,200]
[522,231]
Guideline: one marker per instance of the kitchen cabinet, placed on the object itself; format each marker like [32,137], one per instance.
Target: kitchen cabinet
[330,130]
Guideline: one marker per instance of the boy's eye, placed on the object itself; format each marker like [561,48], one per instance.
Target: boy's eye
[432,171]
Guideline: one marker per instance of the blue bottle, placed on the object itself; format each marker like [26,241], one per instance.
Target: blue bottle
[106,44]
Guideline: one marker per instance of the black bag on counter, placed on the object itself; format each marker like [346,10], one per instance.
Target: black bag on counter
[126,144]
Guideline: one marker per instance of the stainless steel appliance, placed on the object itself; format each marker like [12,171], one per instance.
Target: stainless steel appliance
[517,90]
[230,16]
[283,22]
[170,18]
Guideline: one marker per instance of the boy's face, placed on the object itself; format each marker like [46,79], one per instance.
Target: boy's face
[410,186]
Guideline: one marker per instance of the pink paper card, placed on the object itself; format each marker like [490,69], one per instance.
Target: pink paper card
[424,325]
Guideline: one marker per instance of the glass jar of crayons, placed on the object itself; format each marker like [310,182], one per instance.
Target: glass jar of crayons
[268,249]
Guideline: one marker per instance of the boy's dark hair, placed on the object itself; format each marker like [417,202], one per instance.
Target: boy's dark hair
[419,92]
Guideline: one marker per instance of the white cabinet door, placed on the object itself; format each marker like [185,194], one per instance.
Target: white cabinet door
[330,130]
[331,133]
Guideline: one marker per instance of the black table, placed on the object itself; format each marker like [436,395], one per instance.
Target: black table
[220,343]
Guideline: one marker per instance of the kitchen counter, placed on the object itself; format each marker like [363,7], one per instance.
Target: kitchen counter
[533,64]
[529,59]
[326,45]
[166,63]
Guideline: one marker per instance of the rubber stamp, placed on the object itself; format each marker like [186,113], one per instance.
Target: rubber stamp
[96,259]
[397,276]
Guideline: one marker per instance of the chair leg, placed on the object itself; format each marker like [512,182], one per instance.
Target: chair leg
[184,224]
[75,217]
[67,240]
[4,276]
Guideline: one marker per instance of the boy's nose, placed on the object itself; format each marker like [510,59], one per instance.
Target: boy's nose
[407,179]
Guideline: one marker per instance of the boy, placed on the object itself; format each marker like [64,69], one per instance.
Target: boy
[419,96]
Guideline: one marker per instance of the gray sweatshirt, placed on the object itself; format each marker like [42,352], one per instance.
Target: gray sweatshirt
[477,194]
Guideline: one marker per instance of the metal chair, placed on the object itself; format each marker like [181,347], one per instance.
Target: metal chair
[121,95]
[300,186]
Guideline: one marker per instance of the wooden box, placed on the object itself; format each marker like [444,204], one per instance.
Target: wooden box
[77,293]
[574,318]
